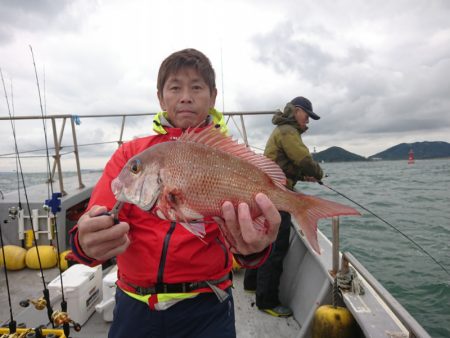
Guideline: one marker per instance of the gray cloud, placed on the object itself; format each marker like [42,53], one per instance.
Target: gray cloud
[401,86]
[40,15]
[373,70]
[285,53]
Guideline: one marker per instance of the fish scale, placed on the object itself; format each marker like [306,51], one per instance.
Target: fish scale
[214,175]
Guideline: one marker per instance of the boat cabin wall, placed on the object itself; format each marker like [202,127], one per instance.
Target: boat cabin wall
[14,230]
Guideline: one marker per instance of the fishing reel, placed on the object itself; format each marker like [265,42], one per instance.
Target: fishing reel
[39,303]
[13,212]
[60,318]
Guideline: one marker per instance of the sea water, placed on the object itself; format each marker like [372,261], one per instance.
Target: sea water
[415,199]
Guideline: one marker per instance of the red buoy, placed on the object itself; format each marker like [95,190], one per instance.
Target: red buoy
[411,157]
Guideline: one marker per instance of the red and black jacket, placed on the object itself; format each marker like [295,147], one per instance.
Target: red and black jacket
[161,251]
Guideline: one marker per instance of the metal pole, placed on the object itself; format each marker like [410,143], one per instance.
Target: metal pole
[75,151]
[335,242]
[61,133]
[57,158]
[121,131]
[243,129]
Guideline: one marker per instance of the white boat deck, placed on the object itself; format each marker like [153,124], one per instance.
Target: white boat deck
[250,322]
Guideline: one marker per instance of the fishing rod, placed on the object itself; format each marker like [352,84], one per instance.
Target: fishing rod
[46,299]
[52,203]
[386,222]
[12,323]
[46,292]
[17,165]
[50,186]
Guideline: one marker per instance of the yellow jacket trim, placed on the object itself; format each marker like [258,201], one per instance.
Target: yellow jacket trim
[165,300]
[217,117]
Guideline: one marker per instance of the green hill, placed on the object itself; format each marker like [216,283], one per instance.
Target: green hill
[336,154]
[422,150]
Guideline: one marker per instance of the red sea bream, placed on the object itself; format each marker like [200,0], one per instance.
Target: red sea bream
[189,179]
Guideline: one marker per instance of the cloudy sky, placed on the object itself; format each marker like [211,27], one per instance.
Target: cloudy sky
[376,71]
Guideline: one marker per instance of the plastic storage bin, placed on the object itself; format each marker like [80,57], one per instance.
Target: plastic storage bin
[82,290]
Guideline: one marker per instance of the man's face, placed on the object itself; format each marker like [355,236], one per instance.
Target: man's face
[302,118]
[186,98]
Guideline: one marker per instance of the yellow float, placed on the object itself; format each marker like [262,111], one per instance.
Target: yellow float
[333,322]
[63,261]
[14,257]
[47,254]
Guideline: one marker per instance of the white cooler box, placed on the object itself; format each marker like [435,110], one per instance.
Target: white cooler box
[106,306]
[82,290]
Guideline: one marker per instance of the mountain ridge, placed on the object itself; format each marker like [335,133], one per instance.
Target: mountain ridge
[422,150]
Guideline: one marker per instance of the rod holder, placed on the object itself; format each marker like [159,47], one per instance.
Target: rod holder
[335,242]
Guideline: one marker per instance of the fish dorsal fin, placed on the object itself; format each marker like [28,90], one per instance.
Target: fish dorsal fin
[212,137]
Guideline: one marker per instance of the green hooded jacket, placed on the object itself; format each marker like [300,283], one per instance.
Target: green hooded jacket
[286,148]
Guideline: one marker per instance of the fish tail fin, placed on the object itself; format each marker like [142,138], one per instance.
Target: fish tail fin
[307,210]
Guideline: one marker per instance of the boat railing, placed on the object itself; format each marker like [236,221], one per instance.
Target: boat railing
[414,328]
[58,133]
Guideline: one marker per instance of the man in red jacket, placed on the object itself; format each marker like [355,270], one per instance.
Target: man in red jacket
[171,284]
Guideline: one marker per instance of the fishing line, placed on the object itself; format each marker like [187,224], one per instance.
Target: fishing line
[221,71]
[23,179]
[386,222]
[17,151]
[66,326]
[17,165]
[43,125]
[50,181]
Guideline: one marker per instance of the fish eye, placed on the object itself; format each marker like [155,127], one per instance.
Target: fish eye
[135,166]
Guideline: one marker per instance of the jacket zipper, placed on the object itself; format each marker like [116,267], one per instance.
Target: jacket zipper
[162,262]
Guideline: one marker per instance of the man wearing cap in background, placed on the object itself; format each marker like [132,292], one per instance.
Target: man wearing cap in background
[286,148]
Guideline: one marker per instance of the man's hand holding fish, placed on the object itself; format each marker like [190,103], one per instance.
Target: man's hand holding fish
[99,237]
[239,231]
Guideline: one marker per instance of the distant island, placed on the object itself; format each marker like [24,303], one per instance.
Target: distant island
[337,154]
[422,150]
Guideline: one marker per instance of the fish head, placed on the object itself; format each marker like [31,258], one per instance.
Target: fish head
[138,183]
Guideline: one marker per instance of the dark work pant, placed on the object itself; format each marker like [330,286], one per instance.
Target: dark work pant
[266,278]
[199,317]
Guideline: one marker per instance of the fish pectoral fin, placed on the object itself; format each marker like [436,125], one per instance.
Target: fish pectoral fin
[198,229]
[173,197]
[169,202]
[174,200]
[160,213]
